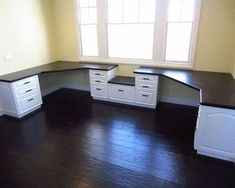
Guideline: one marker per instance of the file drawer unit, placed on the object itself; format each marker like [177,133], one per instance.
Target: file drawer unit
[21,97]
[146,90]
[99,82]
[121,93]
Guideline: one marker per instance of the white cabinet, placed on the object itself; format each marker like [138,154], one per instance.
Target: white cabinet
[121,93]
[99,82]
[21,97]
[215,133]
[146,90]
[142,91]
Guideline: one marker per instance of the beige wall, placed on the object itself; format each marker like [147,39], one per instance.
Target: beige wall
[65,21]
[26,32]
[216,40]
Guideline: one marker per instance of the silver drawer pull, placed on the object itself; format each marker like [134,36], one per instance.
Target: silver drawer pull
[30,99]
[146,79]
[28,91]
[98,81]
[145,86]
[98,89]
[27,83]
[120,90]
[145,95]
[97,74]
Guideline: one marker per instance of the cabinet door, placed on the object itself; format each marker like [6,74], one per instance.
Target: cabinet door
[215,133]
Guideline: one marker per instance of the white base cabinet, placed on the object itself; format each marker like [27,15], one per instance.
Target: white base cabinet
[146,90]
[99,82]
[21,97]
[215,133]
[143,94]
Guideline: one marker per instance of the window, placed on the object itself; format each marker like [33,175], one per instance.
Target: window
[160,32]
[88,26]
[131,28]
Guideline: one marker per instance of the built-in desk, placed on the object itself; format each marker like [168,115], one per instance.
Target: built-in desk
[20,92]
[217,89]
[215,129]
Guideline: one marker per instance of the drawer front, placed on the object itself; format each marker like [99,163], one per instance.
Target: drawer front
[142,77]
[26,82]
[29,102]
[122,93]
[99,90]
[98,80]
[146,85]
[145,97]
[98,73]
[20,92]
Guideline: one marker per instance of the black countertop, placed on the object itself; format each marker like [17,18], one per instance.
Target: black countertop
[54,67]
[124,80]
[217,89]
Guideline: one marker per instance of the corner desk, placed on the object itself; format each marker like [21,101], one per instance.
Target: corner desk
[215,130]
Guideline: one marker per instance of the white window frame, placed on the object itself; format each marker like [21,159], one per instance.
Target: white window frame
[160,38]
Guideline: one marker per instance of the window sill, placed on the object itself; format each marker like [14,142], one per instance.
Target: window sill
[177,65]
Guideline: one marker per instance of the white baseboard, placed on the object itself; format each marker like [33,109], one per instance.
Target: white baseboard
[76,86]
[180,101]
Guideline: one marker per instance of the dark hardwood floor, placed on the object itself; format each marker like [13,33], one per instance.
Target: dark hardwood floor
[75,142]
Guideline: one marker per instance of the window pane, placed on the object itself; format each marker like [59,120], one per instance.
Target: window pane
[92,15]
[88,15]
[147,10]
[181,10]
[178,41]
[92,3]
[84,15]
[89,40]
[131,40]
[115,11]
[174,10]
[83,3]
[187,13]
[130,11]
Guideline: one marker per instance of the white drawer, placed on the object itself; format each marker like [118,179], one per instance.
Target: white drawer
[145,97]
[24,91]
[97,80]
[121,92]
[142,77]
[99,90]
[26,82]
[27,103]
[98,73]
[146,85]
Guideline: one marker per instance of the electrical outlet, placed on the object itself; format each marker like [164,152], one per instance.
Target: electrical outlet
[8,58]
